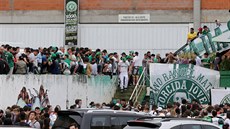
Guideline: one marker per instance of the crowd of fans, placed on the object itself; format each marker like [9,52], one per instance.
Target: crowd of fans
[25,117]
[86,61]
[55,60]
[90,62]
[45,118]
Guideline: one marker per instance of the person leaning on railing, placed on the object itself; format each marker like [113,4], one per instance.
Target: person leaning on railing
[191,36]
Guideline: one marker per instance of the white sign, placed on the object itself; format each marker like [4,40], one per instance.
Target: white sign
[220,96]
[173,83]
[134,18]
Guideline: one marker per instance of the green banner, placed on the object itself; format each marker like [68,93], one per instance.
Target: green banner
[71,22]
[173,83]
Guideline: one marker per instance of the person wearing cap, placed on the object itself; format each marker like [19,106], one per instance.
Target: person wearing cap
[66,65]
[160,112]
[123,66]
[199,34]
[131,53]
[54,64]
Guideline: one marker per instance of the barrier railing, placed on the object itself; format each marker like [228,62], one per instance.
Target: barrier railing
[138,87]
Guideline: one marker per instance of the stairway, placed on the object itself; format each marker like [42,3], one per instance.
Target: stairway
[207,43]
[127,93]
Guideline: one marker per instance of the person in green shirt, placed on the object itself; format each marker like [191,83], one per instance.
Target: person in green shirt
[10,59]
[206,117]
[67,60]
[154,58]
[206,30]
[67,65]
[90,57]
[206,61]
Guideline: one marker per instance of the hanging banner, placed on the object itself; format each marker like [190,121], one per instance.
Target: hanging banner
[71,22]
[173,83]
[220,96]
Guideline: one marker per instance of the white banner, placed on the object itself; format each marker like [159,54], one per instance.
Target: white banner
[174,82]
[220,96]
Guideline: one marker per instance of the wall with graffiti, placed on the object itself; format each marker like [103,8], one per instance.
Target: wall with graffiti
[42,90]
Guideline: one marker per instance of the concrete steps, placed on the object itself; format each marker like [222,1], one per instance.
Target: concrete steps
[125,94]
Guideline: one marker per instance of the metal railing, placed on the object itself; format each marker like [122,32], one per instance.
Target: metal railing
[138,87]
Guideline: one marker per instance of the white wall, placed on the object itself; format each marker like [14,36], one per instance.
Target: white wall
[157,38]
[32,35]
[60,88]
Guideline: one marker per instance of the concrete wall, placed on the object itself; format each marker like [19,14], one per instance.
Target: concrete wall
[111,16]
[60,88]
[41,16]
[107,11]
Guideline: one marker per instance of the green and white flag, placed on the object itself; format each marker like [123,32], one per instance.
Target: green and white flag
[225,37]
[220,96]
[173,83]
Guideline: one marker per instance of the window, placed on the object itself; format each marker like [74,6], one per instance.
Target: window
[110,122]
[176,127]
[209,127]
[63,122]
[124,120]
[191,127]
[115,124]
[119,122]
[100,122]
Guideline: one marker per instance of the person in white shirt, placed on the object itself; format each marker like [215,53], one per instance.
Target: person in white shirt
[94,67]
[214,117]
[218,24]
[32,120]
[123,69]
[32,61]
[198,61]
[18,53]
[137,62]
[160,112]
[61,50]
